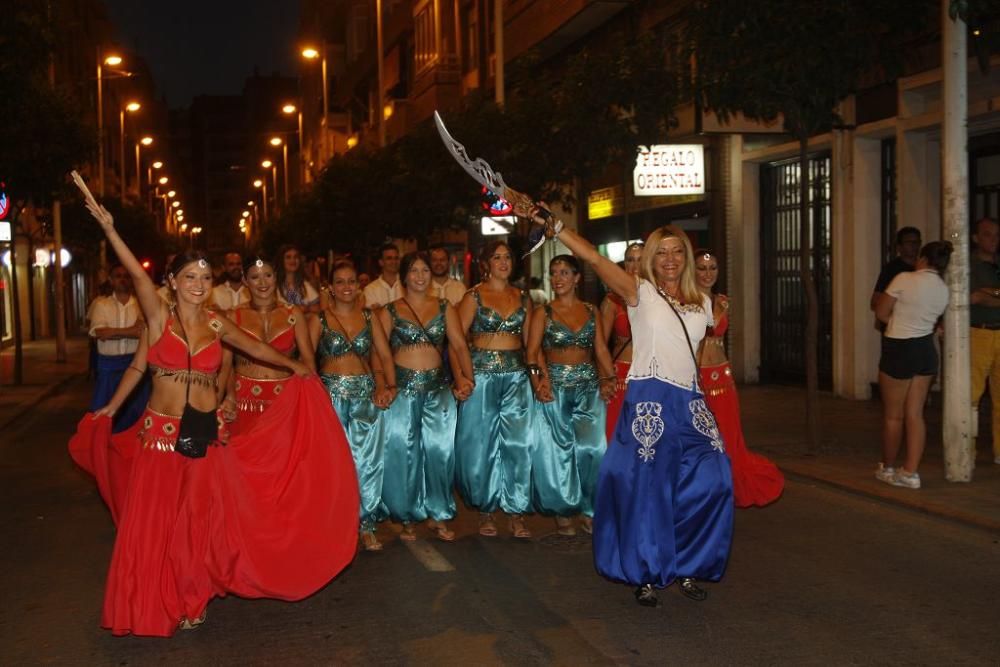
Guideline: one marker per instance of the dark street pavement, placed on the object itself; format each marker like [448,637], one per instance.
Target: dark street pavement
[827,575]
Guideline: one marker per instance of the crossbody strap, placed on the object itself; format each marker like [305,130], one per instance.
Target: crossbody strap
[187,346]
[420,324]
[687,337]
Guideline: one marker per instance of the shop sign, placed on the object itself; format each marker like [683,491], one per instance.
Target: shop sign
[669,169]
[5,234]
[496,226]
[604,203]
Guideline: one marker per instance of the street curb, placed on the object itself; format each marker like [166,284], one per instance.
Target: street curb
[46,393]
[957,516]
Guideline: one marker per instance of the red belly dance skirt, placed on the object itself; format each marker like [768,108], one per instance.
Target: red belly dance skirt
[272,514]
[756,480]
[615,404]
[253,397]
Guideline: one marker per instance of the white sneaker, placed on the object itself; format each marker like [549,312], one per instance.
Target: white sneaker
[885,473]
[909,480]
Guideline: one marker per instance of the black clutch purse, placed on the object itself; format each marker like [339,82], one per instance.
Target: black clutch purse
[197,429]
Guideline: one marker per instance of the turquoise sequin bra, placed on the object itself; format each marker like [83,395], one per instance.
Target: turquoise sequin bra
[406,332]
[333,343]
[559,335]
[488,320]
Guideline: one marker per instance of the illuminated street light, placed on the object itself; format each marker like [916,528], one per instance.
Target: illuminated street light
[245,214]
[130,107]
[172,193]
[289,109]
[250,203]
[266,164]
[113,60]
[257,183]
[352,141]
[179,212]
[146,141]
[163,180]
[183,227]
[133,106]
[176,204]
[158,165]
[275,141]
[310,53]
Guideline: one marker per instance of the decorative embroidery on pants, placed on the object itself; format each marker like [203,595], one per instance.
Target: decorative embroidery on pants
[704,422]
[647,427]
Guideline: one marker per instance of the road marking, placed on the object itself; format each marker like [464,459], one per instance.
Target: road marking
[429,557]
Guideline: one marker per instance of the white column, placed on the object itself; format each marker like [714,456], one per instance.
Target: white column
[959,444]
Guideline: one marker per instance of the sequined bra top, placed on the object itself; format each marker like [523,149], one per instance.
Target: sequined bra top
[406,332]
[559,335]
[169,353]
[333,343]
[284,342]
[488,320]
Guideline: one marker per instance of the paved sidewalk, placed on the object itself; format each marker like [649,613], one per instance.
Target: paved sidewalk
[774,425]
[43,375]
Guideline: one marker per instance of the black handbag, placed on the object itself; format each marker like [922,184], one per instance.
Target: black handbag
[198,429]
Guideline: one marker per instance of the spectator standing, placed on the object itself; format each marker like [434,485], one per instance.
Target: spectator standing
[911,307]
[293,286]
[116,324]
[387,287]
[908,244]
[443,286]
[231,293]
[984,318]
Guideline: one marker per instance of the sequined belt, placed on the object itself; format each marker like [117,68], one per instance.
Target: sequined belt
[497,361]
[412,382]
[573,375]
[348,386]
[716,380]
[256,394]
[158,432]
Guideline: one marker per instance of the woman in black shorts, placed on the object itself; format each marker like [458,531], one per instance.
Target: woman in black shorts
[911,307]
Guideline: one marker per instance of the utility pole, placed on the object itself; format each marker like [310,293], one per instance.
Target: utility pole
[959,443]
[57,245]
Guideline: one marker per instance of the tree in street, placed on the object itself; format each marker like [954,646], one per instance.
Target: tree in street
[770,59]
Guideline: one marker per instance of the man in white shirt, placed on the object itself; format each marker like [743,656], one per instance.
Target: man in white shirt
[443,286]
[116,324]
[231,293]
[387,287]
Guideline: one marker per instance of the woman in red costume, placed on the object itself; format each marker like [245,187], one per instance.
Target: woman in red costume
[269,515]
[614,319]
[756,481]
[257,384]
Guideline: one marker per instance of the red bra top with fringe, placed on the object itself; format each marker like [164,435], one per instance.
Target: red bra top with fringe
[170,351]
[284,342]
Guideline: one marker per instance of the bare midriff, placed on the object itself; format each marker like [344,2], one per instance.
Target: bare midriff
[497,340]
[417,356]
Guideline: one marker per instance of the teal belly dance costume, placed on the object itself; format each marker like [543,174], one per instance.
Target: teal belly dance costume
[351,396]
[420,430]
[564,469]
[496,434]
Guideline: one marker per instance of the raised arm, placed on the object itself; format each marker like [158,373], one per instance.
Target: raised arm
[152,305]
[615,277]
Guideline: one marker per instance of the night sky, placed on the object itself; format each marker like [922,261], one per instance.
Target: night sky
[199,47]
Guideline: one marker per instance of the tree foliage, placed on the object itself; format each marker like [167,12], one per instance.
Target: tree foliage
[562,121]
[41,136]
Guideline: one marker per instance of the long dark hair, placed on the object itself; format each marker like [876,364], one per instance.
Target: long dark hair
[487,252]
[299,277]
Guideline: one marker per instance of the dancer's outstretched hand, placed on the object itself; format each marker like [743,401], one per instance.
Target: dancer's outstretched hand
[106,411]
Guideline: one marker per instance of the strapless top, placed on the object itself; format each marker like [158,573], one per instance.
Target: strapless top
[559,335]
[407,332]
[333,343]
[620,325]
[284,342]
[170,351]
[488,320]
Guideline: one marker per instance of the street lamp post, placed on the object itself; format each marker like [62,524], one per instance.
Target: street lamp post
[311,54]
[292,109]
[261,184]
[145,141]
[131,107]
[277,141]
[150,190]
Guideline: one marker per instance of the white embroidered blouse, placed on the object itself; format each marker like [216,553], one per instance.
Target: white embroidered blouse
[659,348]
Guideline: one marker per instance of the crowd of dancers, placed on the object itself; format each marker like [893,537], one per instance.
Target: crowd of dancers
[325,416]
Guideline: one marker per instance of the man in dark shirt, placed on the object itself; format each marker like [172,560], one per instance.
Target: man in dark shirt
[984,318]
[907,250]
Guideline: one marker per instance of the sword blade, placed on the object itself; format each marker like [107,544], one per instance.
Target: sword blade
[478,168]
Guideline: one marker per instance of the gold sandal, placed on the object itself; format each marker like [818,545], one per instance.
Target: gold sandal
[408,534]
[518,529]
[487,527]
[441,531]
[564,526]
[370,541]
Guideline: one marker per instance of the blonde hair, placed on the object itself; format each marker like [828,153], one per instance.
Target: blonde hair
[689,294]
